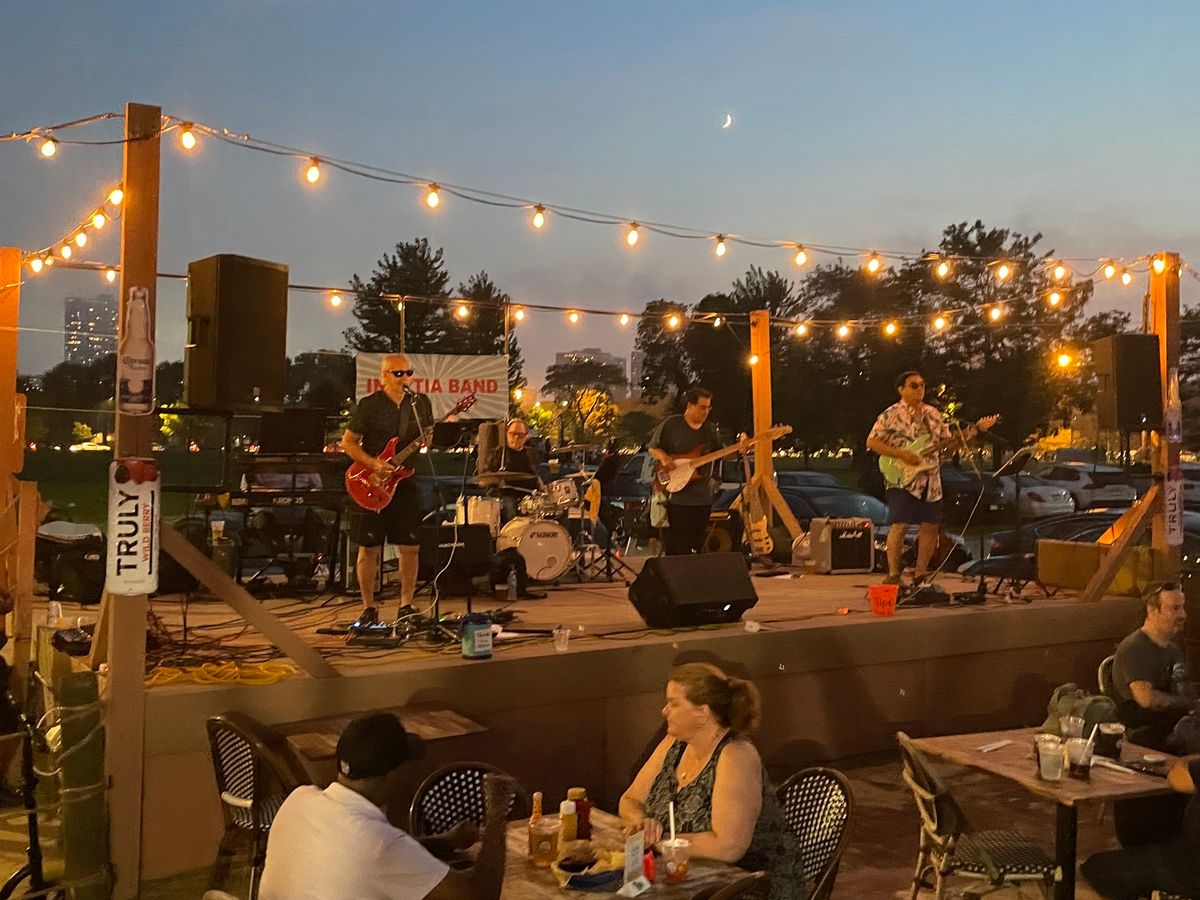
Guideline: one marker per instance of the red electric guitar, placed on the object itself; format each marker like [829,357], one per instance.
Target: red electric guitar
[372,491]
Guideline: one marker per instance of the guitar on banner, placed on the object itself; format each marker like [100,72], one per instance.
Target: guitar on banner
[688,465]
[372,491]
[898,473]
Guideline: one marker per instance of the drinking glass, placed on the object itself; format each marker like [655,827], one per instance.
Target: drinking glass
[1050,758]
[1071,726]
[1079,758]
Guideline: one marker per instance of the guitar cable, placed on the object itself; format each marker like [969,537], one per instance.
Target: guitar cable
[970,517]
[437,490]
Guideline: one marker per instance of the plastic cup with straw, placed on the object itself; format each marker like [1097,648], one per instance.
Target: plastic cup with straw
[671,815]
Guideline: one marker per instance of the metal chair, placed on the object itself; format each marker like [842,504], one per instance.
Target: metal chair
[818,807]
[950,847]
[1104,676]
[454,794]
[755,885]
[255,772]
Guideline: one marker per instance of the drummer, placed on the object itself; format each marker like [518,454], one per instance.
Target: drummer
[515,456]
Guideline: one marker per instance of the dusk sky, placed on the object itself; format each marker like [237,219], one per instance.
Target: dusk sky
[859,124]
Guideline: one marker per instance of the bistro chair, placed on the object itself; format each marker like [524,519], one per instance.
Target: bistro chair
[818,807]
[454,794]
[755,885]
[255,772]
[1104,677]
[948,845]
[1163,895]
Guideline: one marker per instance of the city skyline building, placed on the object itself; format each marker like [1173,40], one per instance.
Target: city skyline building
[589,354]
[89,328]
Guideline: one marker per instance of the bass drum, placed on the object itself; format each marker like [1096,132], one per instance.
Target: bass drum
[544,544]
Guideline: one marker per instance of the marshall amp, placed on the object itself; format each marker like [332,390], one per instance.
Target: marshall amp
[842,546]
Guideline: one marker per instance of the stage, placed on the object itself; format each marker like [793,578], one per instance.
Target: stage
[836,681]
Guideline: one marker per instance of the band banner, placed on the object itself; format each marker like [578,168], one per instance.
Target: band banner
[446,379]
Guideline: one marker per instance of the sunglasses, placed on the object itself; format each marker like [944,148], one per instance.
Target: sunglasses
[400,373]
[915,384]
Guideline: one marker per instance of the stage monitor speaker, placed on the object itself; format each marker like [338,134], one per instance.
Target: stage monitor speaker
[1129,394]
[700,589]
[842,546]
[235,356]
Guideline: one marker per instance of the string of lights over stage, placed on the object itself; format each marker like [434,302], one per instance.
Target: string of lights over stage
[312,166]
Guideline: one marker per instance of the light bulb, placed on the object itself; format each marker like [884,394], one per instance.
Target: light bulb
[1064,360]
[720,248]
[80,239]
[49,147]
[99,220]
[801,256]
[110,275]
[518,394]
[519,314]
[1060,272]
[462,311]
[673,321]
[996,313]
[115,196]
[65,251]
[573,317]
[1003,271]
[874,263]
[36,265]
[537,404]
[939,323]
[890,329]
[631,236]
[539,217]
[335,299]
[1055,298]
[752,359]
[801,330]
[623,319]
[313,174]
[942,269]
[48,259]
[433,196]
[1159,264]
[1126,277]
[843,331]
[187,137]
[1109,270]
[716,323]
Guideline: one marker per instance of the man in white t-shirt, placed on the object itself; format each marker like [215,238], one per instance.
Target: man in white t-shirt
[337,843]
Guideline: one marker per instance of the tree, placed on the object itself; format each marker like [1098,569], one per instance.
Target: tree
[666,369]
[586,385]
[168,382]
[413,269]
[636,426]
[321,380]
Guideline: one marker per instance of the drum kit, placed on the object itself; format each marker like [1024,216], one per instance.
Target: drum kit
[553,532]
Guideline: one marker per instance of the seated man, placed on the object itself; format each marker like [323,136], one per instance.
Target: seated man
[1172,866]
[337,844]
[1150,677]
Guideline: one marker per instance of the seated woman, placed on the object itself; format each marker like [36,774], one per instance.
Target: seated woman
[707,765]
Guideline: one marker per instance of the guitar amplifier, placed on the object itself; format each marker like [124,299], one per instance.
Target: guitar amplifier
[842,546]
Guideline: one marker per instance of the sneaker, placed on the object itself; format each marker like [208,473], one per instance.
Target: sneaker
[366,619]
[894,579]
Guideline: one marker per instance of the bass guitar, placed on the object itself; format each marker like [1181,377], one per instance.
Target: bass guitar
[687,466]
[755,518]
[373,491]
[898,473]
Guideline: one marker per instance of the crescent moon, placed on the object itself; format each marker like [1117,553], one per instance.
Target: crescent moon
[728,121]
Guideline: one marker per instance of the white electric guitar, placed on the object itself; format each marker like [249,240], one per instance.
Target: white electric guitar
[687,466]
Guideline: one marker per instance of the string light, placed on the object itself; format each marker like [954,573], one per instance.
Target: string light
[1159,264]
[462,311]
[519,314]
[720,248]
[518,394]
[890,329]
[99,220]
[313,173]
[716,322]
[801,330]
[996,313]
[1003,270]
[1110,270]
[942,269]
[874,264]
[1054,298]
[49,147]
[80,239]
[1126,277]
[36,265]
[801,256]
[843,331]
[335,300]
[623,319]
[187,137]
[939,323]
[1064,359]
[631,236]
[673,321]
[110,275]
[538,219]
[65,251]
[573,317]
[752,359]
[1059,272]
[48,259]
[115,196]
[433,196]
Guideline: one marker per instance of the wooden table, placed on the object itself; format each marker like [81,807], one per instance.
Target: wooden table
[524,881]
[1016,763]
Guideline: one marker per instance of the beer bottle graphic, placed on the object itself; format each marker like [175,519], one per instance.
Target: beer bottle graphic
[135,358]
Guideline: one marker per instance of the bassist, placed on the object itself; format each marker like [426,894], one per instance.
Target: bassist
[395,410]
[679,435]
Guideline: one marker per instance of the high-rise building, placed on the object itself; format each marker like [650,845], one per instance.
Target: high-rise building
[90,326]
[637,359]
[595,354]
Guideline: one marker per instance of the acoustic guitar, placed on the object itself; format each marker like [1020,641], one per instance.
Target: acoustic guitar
[898,473]
[373,491]
[688,465]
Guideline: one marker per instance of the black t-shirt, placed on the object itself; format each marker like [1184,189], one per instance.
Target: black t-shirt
[1185,855]
[1138,658]
[675,436]
[524,460]
[378,419]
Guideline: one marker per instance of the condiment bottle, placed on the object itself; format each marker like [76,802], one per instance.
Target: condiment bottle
[534,816]
[583,813]
[568,822]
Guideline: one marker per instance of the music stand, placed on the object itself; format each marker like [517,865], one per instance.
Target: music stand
[1013,466]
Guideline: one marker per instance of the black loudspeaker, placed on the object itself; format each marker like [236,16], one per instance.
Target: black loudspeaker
[1129,394]
[237,330]
[471,546]
[700,589]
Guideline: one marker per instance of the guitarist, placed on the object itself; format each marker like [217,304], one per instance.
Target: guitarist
[920,501]
[395,410]
[688,510]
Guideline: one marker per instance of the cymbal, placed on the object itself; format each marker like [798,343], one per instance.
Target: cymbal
[494,477]
[574,448]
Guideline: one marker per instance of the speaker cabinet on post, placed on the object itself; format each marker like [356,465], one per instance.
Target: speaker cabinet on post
[700,589]
[1129,389]
[235,354]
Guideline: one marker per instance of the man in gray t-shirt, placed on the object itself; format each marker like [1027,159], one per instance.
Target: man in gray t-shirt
[688,509]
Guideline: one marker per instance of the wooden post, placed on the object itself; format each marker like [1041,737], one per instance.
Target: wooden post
[760,387]
[1164,321]
[29,508]
[11,439]
[125,728]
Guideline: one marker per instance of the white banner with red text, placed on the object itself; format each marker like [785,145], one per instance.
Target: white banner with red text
[446,380]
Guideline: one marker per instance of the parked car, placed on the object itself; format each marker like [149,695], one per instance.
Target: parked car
[1091,486]
[807,478]
[1088,526]
[1039,498]
[961,495]
[1140,476]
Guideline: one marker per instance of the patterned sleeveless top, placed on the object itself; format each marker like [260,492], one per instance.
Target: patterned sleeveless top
[773,846]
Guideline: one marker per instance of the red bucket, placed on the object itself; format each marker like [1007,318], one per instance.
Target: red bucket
[883,598]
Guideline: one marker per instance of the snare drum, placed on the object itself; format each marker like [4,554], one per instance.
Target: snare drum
[538,505]
[564,492]
[544,544]
[479,511]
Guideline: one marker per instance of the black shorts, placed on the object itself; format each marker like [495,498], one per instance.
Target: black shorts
[397,523]
[903,507]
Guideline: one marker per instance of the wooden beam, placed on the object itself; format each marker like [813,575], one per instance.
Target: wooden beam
[760,387]
[1164,321]
[225,588]
[29,506]
[1136,521]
